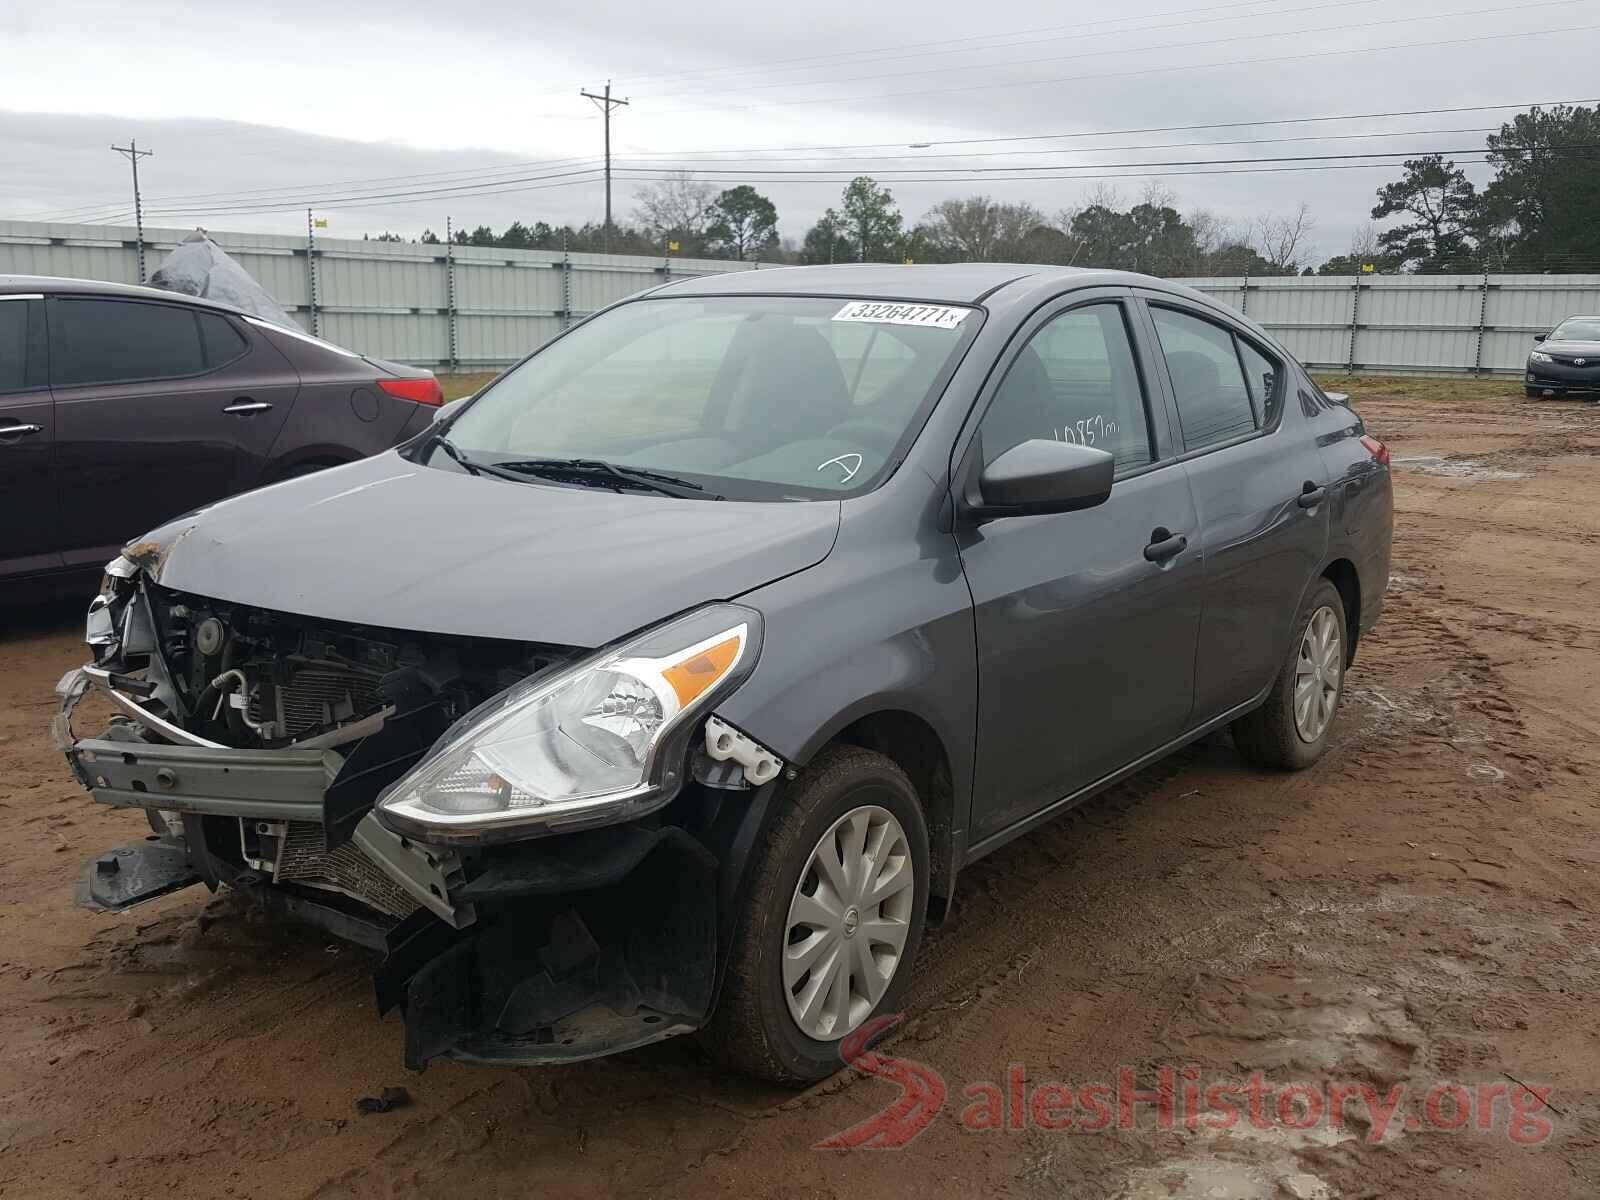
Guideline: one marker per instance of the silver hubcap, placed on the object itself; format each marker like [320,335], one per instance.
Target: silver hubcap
[1316,674]
[848,922]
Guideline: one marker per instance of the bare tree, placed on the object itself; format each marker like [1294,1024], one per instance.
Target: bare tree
[1281,240]
[678,208]
[1366,243]
[977,229]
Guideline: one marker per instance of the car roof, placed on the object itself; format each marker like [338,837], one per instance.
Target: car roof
[952,283]
[13,284]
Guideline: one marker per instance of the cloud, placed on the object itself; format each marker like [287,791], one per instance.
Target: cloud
[238,100]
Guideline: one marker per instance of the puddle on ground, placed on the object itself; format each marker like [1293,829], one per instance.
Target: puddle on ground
[1203,1177]
[1456,468]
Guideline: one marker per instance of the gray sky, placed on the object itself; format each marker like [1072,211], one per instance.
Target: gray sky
[254,107]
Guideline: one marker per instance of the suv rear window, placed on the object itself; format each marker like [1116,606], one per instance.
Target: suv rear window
[111,341]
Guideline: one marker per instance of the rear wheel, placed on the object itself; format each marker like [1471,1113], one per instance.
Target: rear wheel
[1293,727]
[832,922]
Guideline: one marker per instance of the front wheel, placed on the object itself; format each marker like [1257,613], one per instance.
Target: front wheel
[1293,727]
[832,921]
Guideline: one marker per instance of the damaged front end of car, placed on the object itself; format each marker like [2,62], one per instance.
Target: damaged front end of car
[534,837]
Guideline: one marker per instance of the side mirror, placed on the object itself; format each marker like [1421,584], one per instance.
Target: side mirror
[1043,476]
[450,408]
[1539,337]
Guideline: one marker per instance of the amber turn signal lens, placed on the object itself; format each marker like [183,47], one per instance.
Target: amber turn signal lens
[702,669]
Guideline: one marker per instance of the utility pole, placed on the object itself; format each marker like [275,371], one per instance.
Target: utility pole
[605,103]
[133,154]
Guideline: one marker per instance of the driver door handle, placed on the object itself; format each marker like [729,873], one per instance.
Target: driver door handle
[244,407]
[1165,544]
[1311,495]
[20,430]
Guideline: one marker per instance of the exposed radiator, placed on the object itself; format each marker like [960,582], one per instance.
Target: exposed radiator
[314,697]
[305,859]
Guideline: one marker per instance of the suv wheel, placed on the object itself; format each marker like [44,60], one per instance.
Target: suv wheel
[833,919]
[1292,729]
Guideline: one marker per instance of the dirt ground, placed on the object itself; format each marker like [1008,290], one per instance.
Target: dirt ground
[1420,907]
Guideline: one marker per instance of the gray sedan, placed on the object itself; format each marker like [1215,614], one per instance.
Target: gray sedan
[671,682]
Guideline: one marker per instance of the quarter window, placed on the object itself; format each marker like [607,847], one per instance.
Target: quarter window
[1214,402]
[1261,373]
[110,341]
[1075,381]
[223,343]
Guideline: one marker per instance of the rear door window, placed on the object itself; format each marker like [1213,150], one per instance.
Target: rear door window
[115,341]
[1214,402]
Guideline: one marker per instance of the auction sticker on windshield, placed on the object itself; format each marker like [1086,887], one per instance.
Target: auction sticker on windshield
[934,316]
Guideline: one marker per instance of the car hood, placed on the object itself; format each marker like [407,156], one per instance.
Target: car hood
[1582,349]
[387,542]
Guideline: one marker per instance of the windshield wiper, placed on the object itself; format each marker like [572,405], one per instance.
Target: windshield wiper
[614,474]
[471,465]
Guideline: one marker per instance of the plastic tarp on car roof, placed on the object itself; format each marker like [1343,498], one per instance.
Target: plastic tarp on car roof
[200,267]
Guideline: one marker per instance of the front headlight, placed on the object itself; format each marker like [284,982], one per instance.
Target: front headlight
[598,742]
[1540,356]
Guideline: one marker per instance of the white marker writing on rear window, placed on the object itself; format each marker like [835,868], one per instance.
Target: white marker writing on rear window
[931,316]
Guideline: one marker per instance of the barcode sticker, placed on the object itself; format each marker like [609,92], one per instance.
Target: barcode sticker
[882,312]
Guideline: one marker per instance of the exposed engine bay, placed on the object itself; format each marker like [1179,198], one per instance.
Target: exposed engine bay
[247,678]
[257,744]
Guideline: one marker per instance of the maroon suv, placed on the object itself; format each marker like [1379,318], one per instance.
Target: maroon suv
[122,407]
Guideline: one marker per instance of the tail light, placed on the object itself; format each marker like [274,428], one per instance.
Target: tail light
[1379,452]
[423,391]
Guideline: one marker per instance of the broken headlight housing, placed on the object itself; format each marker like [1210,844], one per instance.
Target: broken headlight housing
[596,742]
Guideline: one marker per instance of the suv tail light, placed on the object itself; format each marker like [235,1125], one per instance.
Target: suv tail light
[423,391]
[1379,452]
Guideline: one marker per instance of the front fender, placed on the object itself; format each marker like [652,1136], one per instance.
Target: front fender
[883,625]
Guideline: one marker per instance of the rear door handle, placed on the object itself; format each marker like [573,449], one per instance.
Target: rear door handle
[244,408]
[1165,544]
[1311,495]
[20,430]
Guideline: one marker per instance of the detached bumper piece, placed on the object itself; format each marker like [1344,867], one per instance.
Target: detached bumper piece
[130,875]
[604,942]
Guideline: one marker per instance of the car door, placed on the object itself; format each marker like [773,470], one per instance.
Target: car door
[28,527]
[160,408]
[1085,621]
[1261,491]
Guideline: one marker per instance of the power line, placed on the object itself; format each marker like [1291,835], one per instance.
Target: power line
[781,63]
[1013,170]
[1321,137]
[672,167]
[1565,31]
[1036,137]
[1265,165]
[494,173]
[1189,45]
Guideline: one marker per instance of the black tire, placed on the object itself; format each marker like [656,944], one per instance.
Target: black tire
[1532,393]
[1269,735]
[752,1030]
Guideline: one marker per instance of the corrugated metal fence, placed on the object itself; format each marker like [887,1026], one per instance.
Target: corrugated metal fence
[483,307]
[469,306]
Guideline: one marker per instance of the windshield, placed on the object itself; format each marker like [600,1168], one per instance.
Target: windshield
[1577,329]
[753,397]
